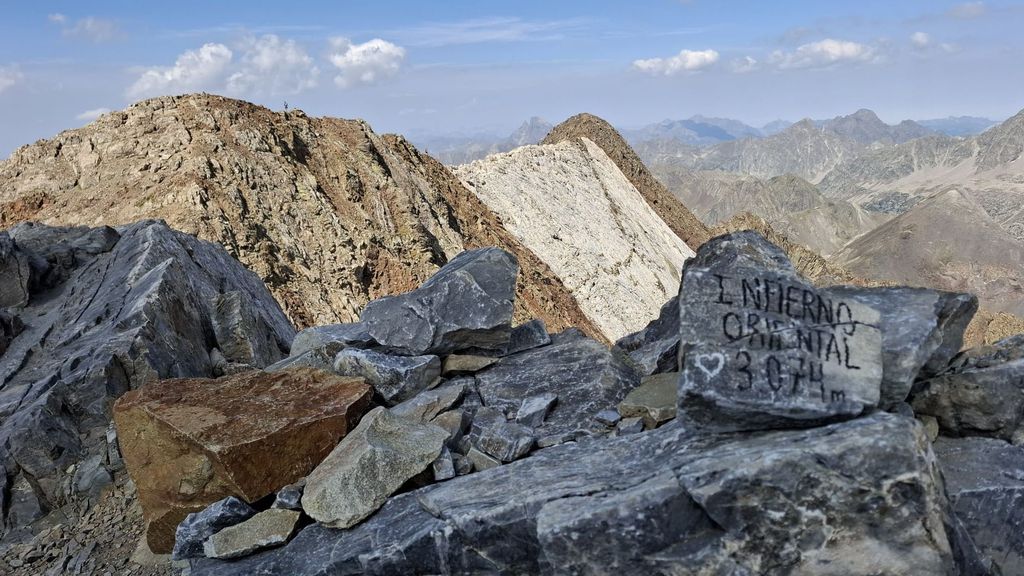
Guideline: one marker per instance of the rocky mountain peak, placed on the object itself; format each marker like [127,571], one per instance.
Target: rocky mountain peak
[291,196]
[679,219]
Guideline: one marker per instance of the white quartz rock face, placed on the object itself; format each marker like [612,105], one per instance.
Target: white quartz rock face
[571,205]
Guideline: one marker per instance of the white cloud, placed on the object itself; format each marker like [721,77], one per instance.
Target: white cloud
[920,39]
[272,65]
[193,70]
[364,63]
[9,76]
[968,10]
[685,61]
[90,115]
[823,53]
[90,27]
[481,30]
[743,65]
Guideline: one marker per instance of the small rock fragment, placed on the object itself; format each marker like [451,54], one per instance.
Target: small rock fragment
[529,335]
[465,364]
[290,497]
[331,339]
[534,409]
[444,466]
[632,425]
[654,400]
[454,422]
[426,405]
[608,417]
[271,527]
[494,435]
[482,461]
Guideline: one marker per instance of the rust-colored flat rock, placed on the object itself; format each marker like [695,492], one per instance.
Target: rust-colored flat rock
[190,442]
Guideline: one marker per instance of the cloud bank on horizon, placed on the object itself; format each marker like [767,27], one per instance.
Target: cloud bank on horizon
[462,68]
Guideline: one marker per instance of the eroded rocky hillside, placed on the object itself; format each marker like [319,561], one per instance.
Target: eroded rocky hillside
[329,214]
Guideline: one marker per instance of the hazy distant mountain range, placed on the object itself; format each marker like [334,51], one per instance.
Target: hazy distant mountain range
[678,137]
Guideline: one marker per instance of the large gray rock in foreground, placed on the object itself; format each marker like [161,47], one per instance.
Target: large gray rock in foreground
[584,374]
[922,330]
[983,395]
[763,348]
[109,311]
[859,497]
[467,304]
[368,465]
[985,483]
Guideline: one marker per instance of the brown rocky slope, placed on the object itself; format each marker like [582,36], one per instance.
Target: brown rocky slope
[329,214]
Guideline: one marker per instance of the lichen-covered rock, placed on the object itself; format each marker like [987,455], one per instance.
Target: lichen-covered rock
[983,395]
[921,329]
[197,527]
[110,310]
[271,527]
[191,442]
[394,378]
[467,304]
[586,376]
[368,465]
[985,481]
[654,401]
[858,497]
[762,348]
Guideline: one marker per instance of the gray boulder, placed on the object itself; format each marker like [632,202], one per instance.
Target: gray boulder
[763,348]
[109,311]
[290,497]
[331,339]
[394,378]
[655,349]
[585,375]
[197,527]
[985,483]
[858,497]
[309,359]
[922,330]
[983,395]
[368,465]
[466,305]
[534,409]
[15,274]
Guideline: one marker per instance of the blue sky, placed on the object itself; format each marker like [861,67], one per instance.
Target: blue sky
[464,67]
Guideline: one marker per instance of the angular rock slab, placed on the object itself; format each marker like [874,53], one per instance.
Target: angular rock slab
[331,339]
[984,396]
[394,378]
[584,374]
[655,349]
[858,497]
[198,526]
[466,305]
[985,482]
[268,528]
[654,401]
[762,348]
[111,310]
[368,465]
[922,330]
[191,442]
